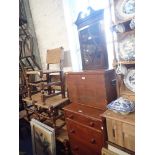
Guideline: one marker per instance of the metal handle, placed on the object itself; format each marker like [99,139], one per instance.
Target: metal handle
[113,131]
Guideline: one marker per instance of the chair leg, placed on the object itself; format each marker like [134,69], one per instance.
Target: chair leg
[67,146]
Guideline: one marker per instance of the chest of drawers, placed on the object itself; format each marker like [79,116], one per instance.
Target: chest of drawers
[86,130]
[89,93]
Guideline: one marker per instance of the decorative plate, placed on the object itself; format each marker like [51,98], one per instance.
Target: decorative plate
[121,105]
[125,10]
[129,79]
[126,47]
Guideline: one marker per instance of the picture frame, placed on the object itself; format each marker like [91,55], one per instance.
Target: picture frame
[43,139]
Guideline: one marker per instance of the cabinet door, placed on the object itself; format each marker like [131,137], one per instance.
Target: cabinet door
[114,129]
[93,47]
[129,136]
[121,134]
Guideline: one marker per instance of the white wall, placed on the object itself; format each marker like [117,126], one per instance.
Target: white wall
[71,10]
[50,27]
[54,26]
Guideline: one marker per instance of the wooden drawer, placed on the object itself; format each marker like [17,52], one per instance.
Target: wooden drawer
[91,137]
[79,148]
[91,122]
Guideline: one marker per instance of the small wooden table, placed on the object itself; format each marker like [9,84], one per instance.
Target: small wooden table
[121,130]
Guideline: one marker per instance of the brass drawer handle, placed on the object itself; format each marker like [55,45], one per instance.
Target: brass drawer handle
[91,124]
[93,141]
[72,131]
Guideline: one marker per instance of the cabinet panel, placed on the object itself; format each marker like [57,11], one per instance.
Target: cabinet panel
[129,137]
[121,134]
[92,88]
[92,40]
[93,47]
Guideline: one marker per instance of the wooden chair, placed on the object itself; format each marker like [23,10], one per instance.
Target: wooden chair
[49,101]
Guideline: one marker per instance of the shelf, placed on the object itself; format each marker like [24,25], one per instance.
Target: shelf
[123,62]
[123,22]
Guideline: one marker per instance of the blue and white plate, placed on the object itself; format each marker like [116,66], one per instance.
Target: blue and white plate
[121,105]
[125,9]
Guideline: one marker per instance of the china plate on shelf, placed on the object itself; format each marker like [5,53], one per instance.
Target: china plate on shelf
[126,48]
[125,10]
[129,79]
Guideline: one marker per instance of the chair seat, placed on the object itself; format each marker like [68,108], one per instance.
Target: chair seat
[50,102]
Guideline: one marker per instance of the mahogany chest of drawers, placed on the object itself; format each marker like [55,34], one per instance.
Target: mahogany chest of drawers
[86,131]
[89,93]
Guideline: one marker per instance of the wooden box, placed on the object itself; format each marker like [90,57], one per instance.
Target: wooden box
[92,88]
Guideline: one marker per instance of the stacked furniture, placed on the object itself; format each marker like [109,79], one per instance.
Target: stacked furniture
[121,128]
[49,98]
[89,93]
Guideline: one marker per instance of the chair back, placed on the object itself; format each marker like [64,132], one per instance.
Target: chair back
[55,56]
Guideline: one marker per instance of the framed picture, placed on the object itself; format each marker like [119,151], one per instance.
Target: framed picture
[43,138]
[124,10]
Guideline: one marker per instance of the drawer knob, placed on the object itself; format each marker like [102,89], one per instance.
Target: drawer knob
[72,131]
[93,141]
[71,116]
[91,124]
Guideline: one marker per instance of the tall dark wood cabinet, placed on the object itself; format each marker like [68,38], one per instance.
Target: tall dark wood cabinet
[90,27]
[89,92]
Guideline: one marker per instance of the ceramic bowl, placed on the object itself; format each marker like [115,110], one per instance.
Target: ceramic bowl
[124,106]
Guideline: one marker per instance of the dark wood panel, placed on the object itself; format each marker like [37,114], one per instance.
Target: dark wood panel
[92,88]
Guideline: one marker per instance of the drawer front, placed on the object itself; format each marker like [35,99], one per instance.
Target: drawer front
[81,148]
[84,120]
[92,138]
